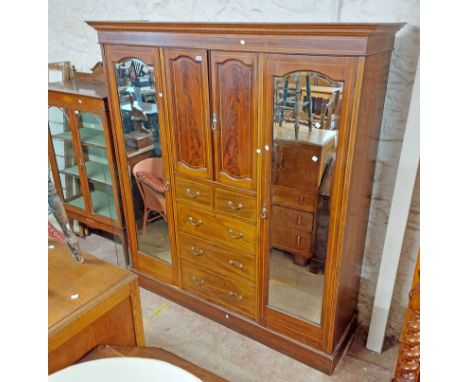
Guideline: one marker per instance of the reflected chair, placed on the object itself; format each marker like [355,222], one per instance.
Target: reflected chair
[290,99]
[149,176]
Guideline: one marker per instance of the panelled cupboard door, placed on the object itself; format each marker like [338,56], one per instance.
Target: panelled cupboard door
[187,86]
[234,85]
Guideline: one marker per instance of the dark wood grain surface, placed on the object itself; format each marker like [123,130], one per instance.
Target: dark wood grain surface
[234,82]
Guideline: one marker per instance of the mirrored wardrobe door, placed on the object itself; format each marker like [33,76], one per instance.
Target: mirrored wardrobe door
[137,101]
[305,121]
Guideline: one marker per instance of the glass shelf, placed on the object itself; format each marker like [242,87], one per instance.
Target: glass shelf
[89,136]
[103,204]
[65,155]
[96,172]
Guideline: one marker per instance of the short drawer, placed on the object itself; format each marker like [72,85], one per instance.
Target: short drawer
[293,198]
[236,204]
[232,233]
[194,192]
[233,293]
[293,219]
[291,240]
[219,260]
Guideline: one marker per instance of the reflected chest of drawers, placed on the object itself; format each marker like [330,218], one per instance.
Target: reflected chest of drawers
[251,118]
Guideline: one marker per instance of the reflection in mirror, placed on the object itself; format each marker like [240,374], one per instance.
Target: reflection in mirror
[305,136]
[140,121]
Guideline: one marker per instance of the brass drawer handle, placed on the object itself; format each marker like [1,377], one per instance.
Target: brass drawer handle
[235,295]
[195,252]
[191,194]
[233,207]
[198,282]
[193,222]
[236,264]
[234,235]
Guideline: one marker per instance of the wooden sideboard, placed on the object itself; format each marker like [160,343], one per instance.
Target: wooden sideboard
[90,304]
[219,248]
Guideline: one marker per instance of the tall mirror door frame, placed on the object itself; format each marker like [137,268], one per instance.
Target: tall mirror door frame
[339,69]
[149,56]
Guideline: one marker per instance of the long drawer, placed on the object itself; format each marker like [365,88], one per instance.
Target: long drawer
[293,198]
[220,261]
[232,233]
[234,292]
[293,219]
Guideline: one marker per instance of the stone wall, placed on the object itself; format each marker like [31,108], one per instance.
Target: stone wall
[71,39]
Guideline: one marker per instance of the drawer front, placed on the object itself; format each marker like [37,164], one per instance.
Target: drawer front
[293,219]
[233,293]
[218,260]
[293,198]
[193,192]
[231,233]
[291,240]
[236,204]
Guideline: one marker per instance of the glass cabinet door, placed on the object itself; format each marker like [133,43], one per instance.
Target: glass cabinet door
[139,117]
[65,157]
[96,164]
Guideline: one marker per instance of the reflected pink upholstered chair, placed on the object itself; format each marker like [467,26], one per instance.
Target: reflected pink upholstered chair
[149,175]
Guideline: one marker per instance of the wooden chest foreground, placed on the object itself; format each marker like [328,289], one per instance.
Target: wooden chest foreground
[90,304]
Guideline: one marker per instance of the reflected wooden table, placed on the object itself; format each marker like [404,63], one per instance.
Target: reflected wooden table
[90,304]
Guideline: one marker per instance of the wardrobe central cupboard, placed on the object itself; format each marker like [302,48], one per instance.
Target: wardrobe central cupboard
[246,155]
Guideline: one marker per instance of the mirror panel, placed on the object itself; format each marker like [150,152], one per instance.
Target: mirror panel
[140,122]
[305,136]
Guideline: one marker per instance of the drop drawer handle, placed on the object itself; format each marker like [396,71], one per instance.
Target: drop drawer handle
[191,194]
[198,282]
[236,264]
[234,235]
[193,222]
[195,252]
[235,295]
[233,207]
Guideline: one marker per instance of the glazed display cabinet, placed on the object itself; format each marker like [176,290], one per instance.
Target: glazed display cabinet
[81,155]
[247,155]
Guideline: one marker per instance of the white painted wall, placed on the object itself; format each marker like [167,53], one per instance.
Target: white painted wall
[71,39]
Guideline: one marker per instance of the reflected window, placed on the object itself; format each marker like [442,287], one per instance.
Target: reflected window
[305,135]
[140,121]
